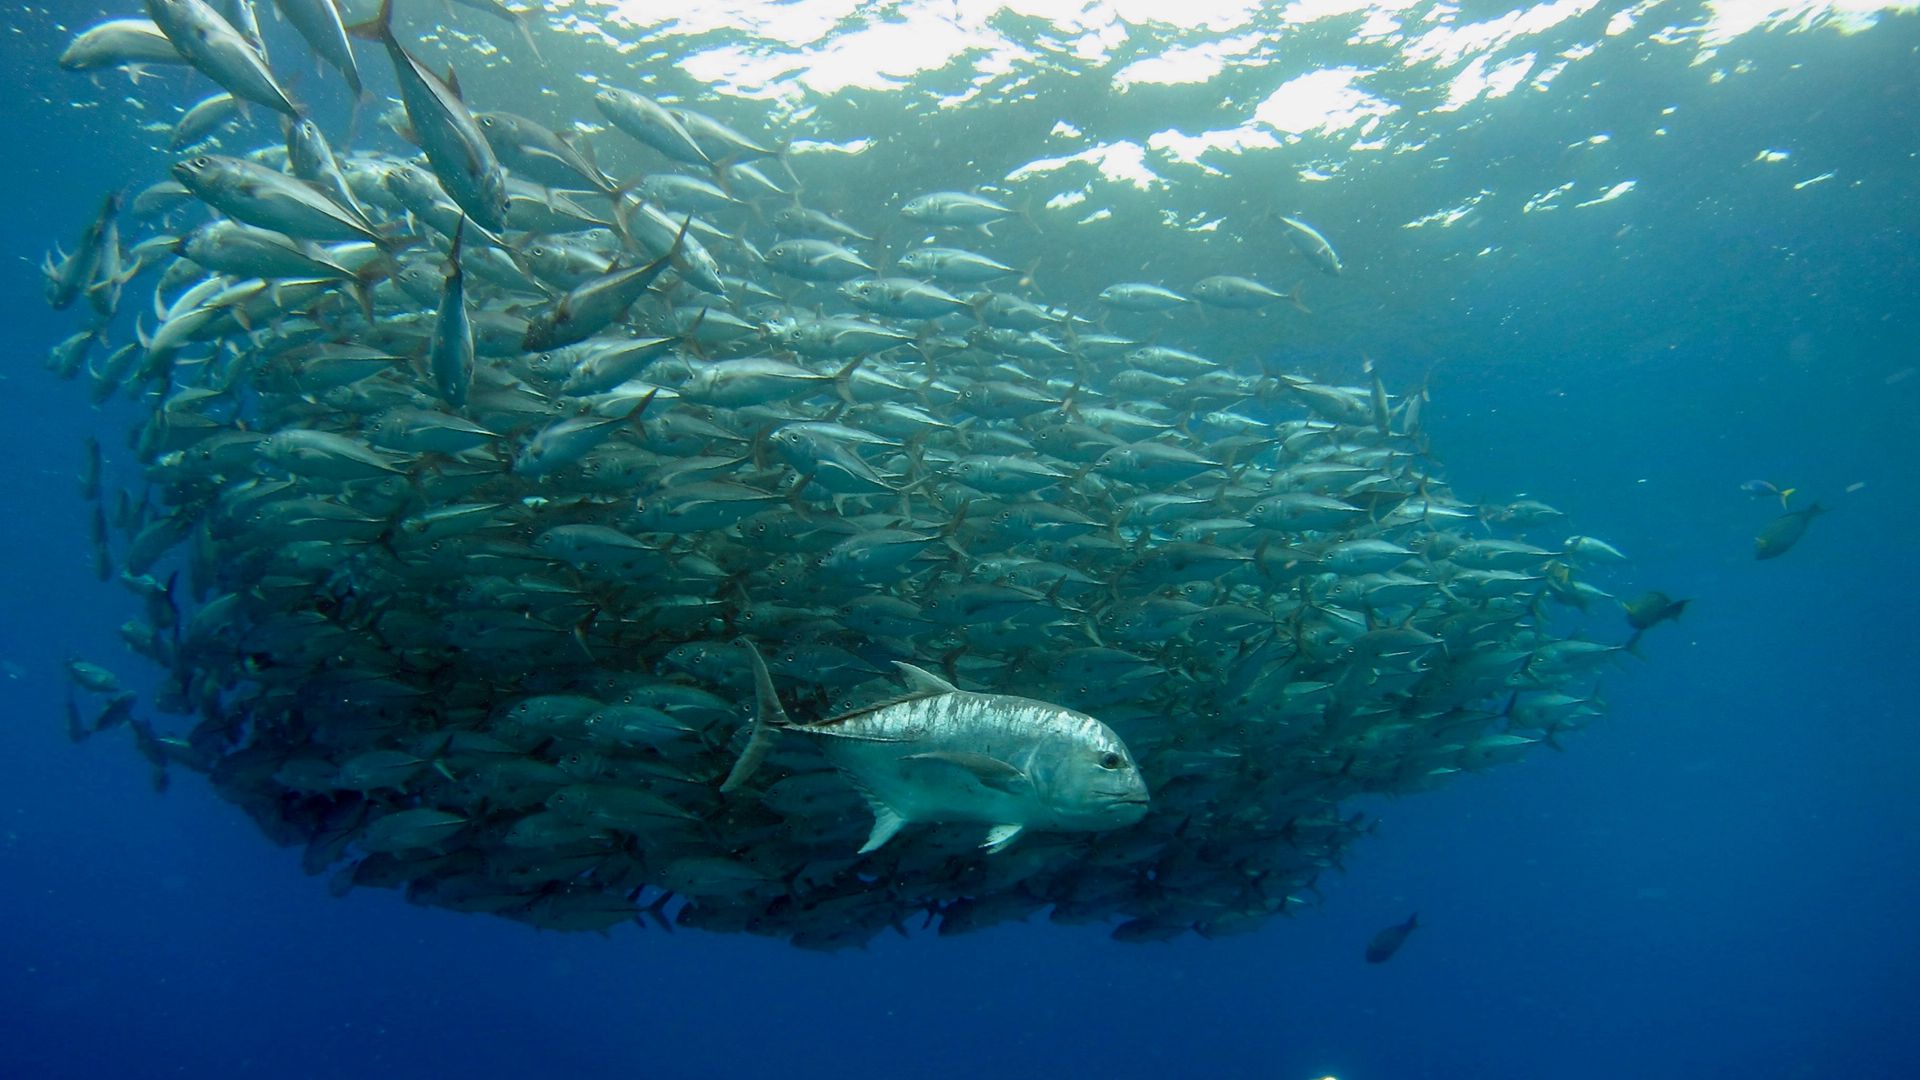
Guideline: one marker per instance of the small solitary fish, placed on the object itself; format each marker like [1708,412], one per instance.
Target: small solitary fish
[1388,941]
[945,754]
[1784,531]
[1763,489]
[1653,608]
[1649,610]
[1314,246]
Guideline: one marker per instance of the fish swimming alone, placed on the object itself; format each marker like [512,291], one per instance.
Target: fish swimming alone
[1652,609]
[944,754]
[1388,941]
[1764,489]
[1314,246]
[1649,610]
[1784,531]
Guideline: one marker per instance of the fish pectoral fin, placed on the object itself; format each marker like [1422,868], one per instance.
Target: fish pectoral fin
[989,770]
[999,837]
[885,823]
[922,681]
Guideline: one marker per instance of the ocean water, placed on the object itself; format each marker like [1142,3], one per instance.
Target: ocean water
[1715,880]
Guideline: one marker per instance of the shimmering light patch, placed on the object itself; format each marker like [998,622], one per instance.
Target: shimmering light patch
[1066,199]
[1191,14]
[741,71]
[1448,45]
[1771,156]
[1194,64]
[1623,20]
[1728,19]
[830,47]
[1121,161]
[883,55]
[1812,180]
[1306,11]
[1187,149]
[1610,194]
[1447,217]
[1545,200]
[1477,79]
[814,146]
[797,48]
[1325,101]
[795,24]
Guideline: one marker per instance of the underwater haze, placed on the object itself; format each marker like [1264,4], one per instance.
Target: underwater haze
[1348,396]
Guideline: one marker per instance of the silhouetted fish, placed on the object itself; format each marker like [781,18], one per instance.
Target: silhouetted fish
[1388,941]
[1783,532]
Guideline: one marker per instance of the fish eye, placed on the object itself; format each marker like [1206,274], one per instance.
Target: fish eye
[1111,760]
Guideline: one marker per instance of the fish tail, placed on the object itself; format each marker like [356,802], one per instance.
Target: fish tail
[526,34]
[1633,644]
[1294,298]
[767,715]
[379,28]
[1785,494]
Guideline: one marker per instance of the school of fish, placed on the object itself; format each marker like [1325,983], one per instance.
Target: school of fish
[569,523]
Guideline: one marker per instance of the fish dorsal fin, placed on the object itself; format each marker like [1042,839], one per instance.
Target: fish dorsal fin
[999,837]
[923,682]
[990,771]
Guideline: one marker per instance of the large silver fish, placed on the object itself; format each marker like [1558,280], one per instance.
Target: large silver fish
[450,352]
[319,22]
[262,197]
[122,43]
[460,155]
[210,43]
[944,754]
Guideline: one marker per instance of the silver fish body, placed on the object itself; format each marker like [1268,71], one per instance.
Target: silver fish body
[122,43]
[211,44]
[943,754]
[318,21]
[461,157]
[1314,246]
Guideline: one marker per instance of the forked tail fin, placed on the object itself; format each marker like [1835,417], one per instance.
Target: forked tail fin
[767,715]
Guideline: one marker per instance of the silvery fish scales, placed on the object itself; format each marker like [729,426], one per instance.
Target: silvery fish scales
[943,754]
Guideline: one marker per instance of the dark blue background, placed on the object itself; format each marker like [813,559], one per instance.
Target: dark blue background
[1716,881]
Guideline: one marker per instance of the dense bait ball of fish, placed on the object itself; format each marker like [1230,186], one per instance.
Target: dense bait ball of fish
[477,467]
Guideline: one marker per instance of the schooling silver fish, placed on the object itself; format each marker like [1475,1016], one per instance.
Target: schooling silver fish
[461,157]
[211,44]
[1314,246]
[945,754]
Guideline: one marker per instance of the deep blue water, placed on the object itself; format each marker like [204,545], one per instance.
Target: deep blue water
[1716,881]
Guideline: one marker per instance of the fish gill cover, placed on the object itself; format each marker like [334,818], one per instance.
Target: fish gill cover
[488,435]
